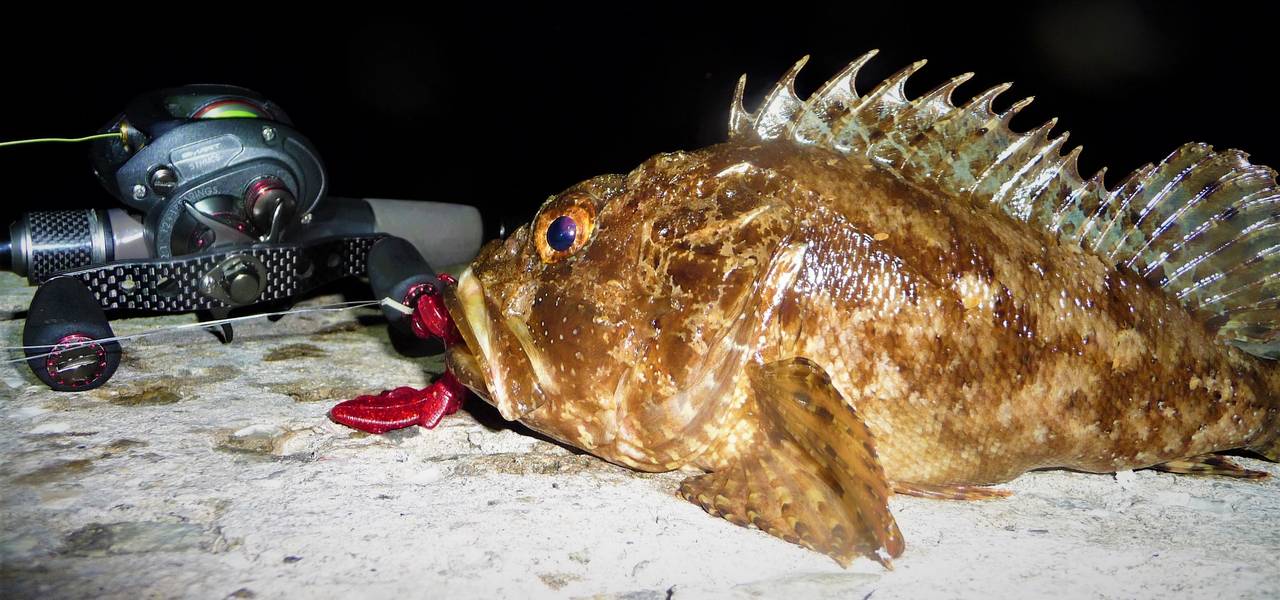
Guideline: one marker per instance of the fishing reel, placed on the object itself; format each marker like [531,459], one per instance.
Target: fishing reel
[226,207]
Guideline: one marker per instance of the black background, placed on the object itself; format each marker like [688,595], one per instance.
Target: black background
[500,109]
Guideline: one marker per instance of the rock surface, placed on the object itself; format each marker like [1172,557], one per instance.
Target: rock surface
[208,470]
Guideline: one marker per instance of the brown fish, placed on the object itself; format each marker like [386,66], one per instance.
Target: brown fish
[861,295]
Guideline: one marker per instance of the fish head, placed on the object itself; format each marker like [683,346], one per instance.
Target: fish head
[618,289]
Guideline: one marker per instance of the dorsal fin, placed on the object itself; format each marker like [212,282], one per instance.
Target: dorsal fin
[1202,225]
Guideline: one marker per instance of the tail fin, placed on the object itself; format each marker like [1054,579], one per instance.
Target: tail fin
[1203,225]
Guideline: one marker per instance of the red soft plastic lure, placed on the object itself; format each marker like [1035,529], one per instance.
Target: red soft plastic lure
[406,406]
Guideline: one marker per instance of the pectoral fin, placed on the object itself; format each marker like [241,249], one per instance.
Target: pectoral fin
[813,477]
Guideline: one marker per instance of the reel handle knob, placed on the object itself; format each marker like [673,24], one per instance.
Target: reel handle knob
[61,334]
[398,271]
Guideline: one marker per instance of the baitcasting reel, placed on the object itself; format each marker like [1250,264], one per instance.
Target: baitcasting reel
[228,208]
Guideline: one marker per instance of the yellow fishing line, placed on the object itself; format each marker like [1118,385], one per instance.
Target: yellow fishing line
[90,138]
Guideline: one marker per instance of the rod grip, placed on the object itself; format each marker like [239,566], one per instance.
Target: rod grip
[447,234]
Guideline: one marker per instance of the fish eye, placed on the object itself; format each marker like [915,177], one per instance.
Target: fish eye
[562,231]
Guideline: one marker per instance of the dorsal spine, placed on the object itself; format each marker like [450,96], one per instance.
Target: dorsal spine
[1202,225]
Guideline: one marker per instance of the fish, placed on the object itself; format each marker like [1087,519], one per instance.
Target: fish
[862,295]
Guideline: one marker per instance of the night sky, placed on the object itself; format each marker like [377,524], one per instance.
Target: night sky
[501,109]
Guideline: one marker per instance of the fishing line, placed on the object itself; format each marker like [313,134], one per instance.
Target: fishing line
[336,307]
[88,138]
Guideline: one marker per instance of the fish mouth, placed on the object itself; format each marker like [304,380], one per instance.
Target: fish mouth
[495,362]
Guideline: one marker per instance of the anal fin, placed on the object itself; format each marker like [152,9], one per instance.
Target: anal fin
[1209,464]
[949,492]
[813,477]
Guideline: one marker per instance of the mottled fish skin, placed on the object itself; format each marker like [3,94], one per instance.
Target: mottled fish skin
[974,347]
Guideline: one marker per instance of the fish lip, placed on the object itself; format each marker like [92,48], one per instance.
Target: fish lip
[489,364]
[467,360]
[466,368]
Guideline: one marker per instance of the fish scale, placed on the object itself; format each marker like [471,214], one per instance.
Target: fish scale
[861,295]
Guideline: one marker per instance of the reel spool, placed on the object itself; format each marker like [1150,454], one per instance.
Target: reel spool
[209,166]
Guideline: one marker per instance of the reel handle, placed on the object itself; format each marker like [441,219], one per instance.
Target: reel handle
[61,333]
